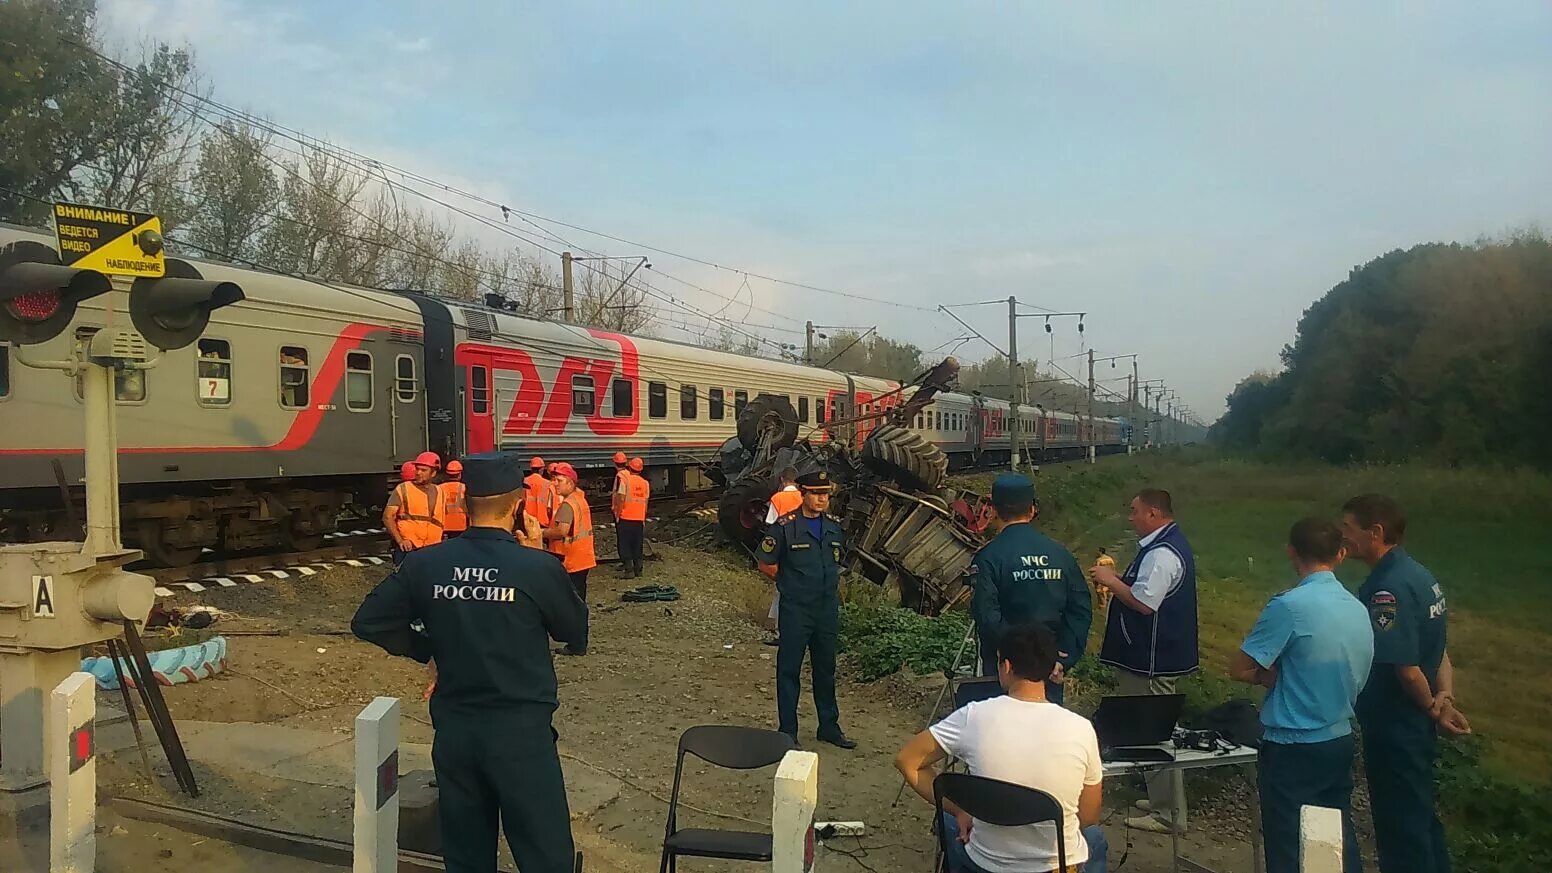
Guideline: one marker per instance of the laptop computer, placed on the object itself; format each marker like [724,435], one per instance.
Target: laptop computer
[1137,727]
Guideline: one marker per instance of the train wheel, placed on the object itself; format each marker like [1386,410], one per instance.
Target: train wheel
[304,532]
[154,539]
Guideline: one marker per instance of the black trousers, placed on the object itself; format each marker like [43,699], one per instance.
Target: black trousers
[813,629]
[1398,756]
[491,766]
[1293,775]
[632,536]
[579,582]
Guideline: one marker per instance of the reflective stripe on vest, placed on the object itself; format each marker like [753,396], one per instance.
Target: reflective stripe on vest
[633,506]
[453,508]
[420,515]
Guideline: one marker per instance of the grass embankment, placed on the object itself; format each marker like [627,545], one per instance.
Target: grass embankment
[1482,533]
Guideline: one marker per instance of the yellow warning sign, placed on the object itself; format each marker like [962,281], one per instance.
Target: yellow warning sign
[109,240]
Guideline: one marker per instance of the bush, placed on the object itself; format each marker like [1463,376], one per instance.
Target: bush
[881,638]
[1495,823]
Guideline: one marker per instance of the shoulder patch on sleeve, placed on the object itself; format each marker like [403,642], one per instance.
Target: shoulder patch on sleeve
[768,545]
[1381,598]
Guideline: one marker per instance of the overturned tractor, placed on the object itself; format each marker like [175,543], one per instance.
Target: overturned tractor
[900,533]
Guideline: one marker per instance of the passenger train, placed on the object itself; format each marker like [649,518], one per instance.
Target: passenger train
[302,400]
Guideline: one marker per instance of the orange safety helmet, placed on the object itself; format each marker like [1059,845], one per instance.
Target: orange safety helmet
[407,470]
[635,465]
[619,459]
[428,459]
[565,469]
[454,469]
[536,463]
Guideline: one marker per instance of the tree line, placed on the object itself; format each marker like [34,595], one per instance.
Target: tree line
[1440,352]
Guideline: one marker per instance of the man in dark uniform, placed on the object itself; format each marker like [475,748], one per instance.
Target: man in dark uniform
[1024,576]
[802,552]
[488,602]
[1410,693]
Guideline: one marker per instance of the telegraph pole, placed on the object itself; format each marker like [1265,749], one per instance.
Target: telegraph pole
[1015,384]
[1092,446]
[1132,443]
[808,343]
[567,292]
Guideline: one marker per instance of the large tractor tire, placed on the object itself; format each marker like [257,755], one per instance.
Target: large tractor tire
[741,509]
[768,412]
[906,457]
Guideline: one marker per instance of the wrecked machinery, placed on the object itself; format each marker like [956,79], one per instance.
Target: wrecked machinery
[900,532]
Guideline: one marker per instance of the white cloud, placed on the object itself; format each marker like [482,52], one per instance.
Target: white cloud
[419,45]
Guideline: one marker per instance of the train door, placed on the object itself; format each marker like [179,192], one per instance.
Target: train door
[975,433]
[478,401]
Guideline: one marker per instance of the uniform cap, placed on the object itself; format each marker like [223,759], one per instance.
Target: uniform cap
[407,470]
[536,463]
[565,469]
[619,457]
[636,465]
[491,474]
[818,480]
[454,468]
[428,459]
[1014,490]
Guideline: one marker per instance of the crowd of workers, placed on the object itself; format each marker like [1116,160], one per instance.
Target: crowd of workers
[482,608]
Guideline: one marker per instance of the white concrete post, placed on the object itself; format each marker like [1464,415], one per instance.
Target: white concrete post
[1320,840]
[792,813]
[377,788]
[72,768]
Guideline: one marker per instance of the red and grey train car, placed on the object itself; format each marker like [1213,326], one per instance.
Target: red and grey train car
[300,402]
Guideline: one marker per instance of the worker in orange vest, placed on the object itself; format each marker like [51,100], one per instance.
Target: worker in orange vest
[539,494]
[454,510]
[617,491]
[415,514]
[631,518]
[786,499]
[570,534]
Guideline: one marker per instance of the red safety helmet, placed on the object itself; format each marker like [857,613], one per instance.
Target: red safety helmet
[536,463]
[454,468]
[407,470]
[428,459]
[635,465]
[565,469]
[619,458]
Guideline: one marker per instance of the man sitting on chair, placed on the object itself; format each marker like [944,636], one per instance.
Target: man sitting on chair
[1022,738]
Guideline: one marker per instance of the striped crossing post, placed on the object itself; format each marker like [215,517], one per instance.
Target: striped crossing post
[792,813]
[377,788]
[1320,840]
[72,769]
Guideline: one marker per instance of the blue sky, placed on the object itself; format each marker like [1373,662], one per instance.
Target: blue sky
[1191,175]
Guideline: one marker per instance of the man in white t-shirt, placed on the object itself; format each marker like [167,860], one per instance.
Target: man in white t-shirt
[1019,737]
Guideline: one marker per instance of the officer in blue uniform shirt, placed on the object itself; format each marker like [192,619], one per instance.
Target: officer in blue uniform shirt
[1410,694]
[1024,576]
[488,603]
[802,552]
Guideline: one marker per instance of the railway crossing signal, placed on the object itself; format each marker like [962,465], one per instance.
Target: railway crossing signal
[38,294]
[172,312]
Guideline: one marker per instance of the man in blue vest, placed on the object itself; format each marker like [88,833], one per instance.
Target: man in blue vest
[1024,576]
[1150,633]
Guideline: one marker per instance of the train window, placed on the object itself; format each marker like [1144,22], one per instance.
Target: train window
[293,377]
[803,409]
[819,410]
[714,404]
[623,399]
[583,400]
[5,370]
[479,391]
[687,403]
[358,381]
[213,369]
[404,378]
[740,400]
[657,400]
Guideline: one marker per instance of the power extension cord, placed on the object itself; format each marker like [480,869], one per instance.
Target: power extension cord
[824,830]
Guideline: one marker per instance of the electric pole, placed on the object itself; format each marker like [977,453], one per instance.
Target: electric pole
[808,343]
[1092,448]
[1131,444]
[567,298]
[1015,384]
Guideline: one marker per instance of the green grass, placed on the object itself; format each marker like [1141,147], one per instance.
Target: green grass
[1482,532]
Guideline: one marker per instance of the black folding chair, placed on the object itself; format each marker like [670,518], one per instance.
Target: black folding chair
[735,748]
[1000,803]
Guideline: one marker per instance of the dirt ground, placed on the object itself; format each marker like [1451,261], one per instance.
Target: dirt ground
[652,671]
